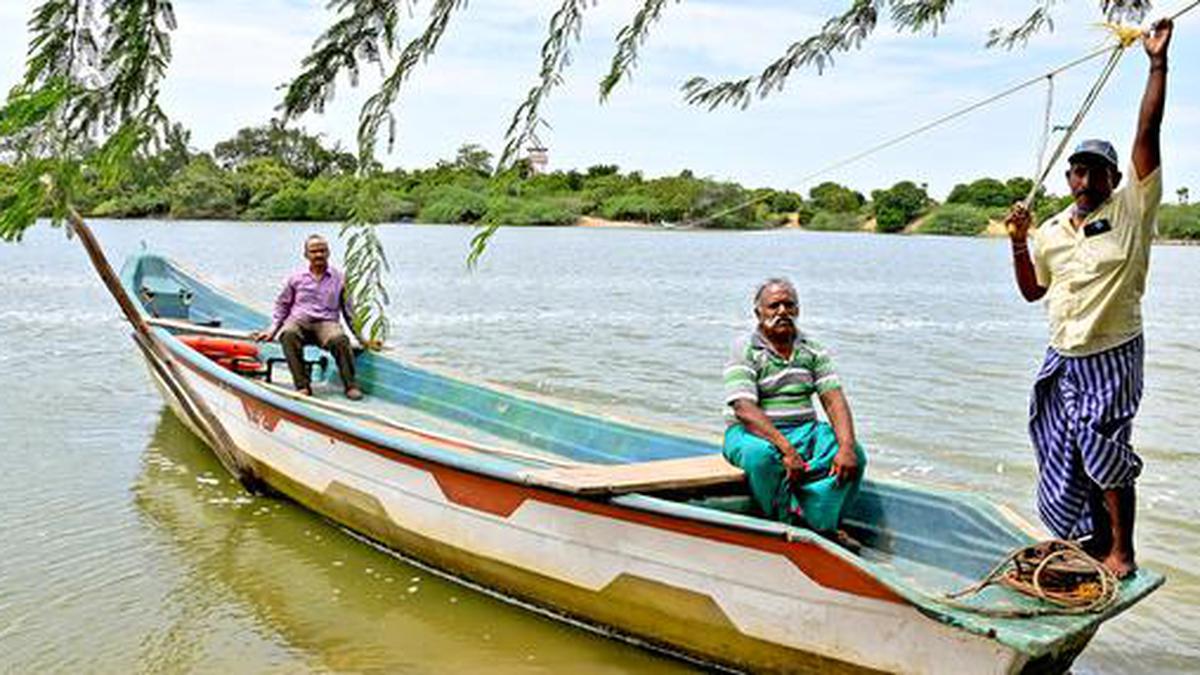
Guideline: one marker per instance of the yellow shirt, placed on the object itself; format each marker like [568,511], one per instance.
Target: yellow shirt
[1095,282]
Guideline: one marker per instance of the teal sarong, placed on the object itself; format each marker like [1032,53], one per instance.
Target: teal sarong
[818,503]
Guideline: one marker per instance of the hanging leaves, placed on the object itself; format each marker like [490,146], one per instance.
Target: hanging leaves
[90,78]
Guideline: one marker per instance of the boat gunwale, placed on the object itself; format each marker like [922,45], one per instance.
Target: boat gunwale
[415,453]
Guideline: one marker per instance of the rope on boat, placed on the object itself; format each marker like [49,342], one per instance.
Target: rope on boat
[1056,571]
[1124,36]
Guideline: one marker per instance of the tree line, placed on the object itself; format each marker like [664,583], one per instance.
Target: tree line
[276,173]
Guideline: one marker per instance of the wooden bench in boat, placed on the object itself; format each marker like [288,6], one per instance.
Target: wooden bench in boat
[655,476]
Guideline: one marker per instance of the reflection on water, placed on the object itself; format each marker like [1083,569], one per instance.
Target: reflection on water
[186,573]
[313,596]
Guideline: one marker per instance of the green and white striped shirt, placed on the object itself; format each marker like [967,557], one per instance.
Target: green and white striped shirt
[783,388]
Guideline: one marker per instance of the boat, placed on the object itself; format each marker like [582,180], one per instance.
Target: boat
[639,531]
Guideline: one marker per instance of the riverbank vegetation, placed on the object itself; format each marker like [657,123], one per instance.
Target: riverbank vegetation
[275,173]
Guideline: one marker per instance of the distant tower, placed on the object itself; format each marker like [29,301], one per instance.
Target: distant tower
[537,157]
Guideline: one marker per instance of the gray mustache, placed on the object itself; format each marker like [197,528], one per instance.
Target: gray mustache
[776,320]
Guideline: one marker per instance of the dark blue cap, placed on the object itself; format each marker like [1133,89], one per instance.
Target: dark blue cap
[1097,149]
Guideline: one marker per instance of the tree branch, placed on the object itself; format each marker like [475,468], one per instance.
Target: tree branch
[629,40]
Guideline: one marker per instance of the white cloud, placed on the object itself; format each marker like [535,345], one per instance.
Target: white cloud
[231,55]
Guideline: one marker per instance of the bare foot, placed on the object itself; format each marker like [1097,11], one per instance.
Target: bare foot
[354,393]
[1120,564]
[842,538]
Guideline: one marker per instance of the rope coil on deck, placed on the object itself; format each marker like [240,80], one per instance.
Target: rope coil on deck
[1057,572]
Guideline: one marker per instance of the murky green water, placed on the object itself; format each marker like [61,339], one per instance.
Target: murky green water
[126,548]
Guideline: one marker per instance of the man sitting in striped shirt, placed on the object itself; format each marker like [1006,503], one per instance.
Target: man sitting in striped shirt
[800,470]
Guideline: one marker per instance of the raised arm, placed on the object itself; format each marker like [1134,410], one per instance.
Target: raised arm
[1147,154]
[1018,223]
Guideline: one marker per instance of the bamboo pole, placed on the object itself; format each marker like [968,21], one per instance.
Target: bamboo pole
[222,445]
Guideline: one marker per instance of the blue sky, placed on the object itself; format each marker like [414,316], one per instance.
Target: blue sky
[231,55]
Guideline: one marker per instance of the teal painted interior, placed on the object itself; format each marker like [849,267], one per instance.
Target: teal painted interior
[920,541]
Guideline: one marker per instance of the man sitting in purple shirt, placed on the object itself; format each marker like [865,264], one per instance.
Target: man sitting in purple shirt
[308,311]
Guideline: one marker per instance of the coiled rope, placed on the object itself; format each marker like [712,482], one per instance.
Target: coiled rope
[1056,571]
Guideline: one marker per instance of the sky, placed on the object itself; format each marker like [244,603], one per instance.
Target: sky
[231,56]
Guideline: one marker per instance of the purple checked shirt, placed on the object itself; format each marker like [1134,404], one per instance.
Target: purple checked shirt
[306,298]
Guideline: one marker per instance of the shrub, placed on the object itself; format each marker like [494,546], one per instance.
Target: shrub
[956,219]
[785,202]
[833,221]
[897,206]
[290,203]
[137,205]
[632,206]
[452,204]
[200,191]
[532,211]
[1179,221]
[830,196]
[395,207]
[330,197]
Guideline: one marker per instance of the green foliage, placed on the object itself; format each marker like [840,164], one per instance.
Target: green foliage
[637,207]
[897,206]
[829,196]
[989,192]
[1179,221]
[330,198]
[452,204]
[805,214]
[982,192]
[532,211]
[201,191]
[260,179]
[366,265]
[299,153]
[290,203]
[840,34]
[91,77]
[140,204]
[784,201]
[1043,209]
[957,219]
[474,157]
[834,221]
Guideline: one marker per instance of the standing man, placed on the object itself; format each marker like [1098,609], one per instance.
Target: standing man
[308,311]
[800,470]
[1090,262]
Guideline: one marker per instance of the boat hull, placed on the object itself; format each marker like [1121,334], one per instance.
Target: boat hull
[741,599]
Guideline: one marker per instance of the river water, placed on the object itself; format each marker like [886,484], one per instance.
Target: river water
[126,548]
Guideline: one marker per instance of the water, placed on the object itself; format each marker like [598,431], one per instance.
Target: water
[126,547]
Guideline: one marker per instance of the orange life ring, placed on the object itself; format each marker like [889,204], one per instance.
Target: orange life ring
[218,348]
[241,365]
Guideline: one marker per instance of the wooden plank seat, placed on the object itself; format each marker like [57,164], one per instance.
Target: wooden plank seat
[655,476]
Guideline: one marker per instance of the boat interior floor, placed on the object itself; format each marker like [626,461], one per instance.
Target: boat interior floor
[704,481]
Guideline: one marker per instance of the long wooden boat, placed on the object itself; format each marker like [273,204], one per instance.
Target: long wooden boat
[644,533]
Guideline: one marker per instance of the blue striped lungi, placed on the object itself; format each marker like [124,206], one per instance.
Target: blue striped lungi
[1080,420]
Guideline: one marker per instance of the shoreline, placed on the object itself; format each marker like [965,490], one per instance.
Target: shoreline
[994,230]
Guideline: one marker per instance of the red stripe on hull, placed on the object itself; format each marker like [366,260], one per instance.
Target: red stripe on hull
[259,413]
[478,492]
[502,498]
